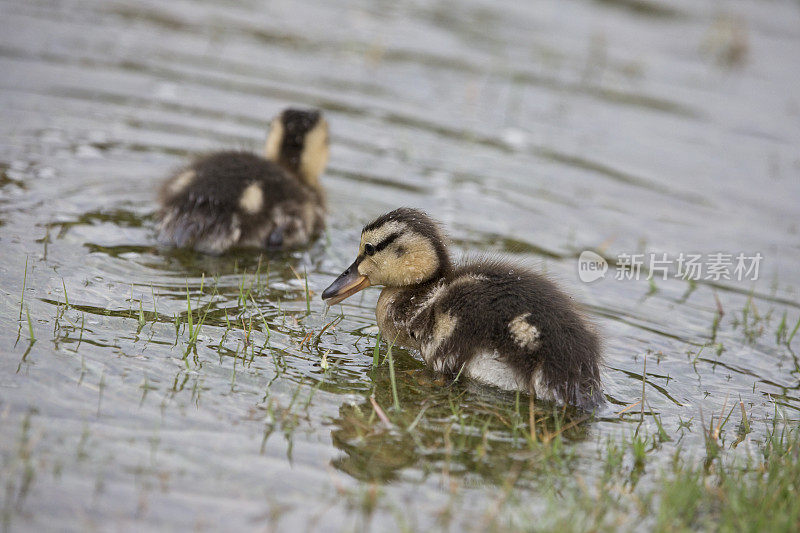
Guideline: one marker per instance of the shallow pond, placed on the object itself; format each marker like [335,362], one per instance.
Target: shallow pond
[141,386]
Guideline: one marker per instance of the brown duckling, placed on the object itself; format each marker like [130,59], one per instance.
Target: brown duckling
[240,199]
[490,320]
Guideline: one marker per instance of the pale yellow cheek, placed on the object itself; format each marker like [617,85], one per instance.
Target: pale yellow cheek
[378,272]
[412,274]
[418,266]
[314,162]
[394,271]
[417,263]
[272,147]
[315,154]
[365,270]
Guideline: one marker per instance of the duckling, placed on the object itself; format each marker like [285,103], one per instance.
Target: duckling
[239,199]
[490,320]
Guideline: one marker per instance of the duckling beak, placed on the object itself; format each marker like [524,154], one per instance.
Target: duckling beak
[347,284]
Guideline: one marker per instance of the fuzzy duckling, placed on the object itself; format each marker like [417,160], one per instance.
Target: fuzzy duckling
[490,320]
[240,199]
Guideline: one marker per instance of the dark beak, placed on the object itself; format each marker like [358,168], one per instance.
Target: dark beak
[347,284]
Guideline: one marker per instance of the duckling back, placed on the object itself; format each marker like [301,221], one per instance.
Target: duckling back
[231,199]
[508,327]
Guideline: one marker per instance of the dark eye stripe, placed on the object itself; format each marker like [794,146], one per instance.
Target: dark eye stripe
[387,241]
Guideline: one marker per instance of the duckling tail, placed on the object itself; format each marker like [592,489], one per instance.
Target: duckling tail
[203,231]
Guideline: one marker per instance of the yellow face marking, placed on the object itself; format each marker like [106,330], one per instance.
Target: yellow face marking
[272,149]
[315,153]
[409,259]
[181,181]
[252,199]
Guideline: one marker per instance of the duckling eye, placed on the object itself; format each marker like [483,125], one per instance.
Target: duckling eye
[369,249]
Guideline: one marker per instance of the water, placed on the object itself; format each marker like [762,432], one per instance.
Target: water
[532,131]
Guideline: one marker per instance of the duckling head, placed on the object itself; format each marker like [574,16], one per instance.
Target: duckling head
[399,249]
[298,141]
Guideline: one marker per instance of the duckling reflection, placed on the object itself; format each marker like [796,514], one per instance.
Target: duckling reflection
[496,322]
[471,432]
[239,199]
[370,452]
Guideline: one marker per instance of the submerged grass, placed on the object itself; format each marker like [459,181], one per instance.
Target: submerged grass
[376,351]
[32,337]
[395,397]
[760,495]
[757,492]
[24,285]
[308,294]
[794,332]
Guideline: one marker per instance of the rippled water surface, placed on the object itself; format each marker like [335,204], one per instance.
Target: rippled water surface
[535,131]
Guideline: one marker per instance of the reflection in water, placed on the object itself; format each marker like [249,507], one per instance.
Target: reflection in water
[372,452]
[464,430]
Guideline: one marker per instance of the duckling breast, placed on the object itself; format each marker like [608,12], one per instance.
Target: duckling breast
[490,369]
[392,320]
